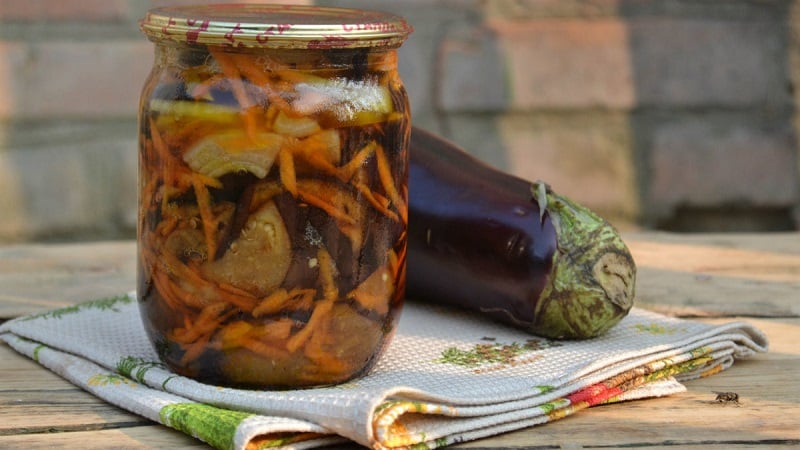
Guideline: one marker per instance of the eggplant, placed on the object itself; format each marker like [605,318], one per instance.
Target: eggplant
[511,249]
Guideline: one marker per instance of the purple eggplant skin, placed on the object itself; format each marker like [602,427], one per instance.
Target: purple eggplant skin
[513,250]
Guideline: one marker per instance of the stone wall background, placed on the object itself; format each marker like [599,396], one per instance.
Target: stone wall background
[669,114]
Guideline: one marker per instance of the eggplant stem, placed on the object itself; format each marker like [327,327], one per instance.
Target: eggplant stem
[539,192]
[592,285]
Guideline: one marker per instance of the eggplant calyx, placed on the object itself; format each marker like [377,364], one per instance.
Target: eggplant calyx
[592,283]
[539,191]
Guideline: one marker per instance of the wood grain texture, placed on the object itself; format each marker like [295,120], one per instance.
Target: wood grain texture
[717,278]
[36,278]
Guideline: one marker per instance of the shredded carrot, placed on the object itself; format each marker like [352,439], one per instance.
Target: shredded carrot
[164,289]
[235,290]
[385,175]
[190,178]
[374,292]
[354,234]
[191,274]
[273,330]
[163,284]
[320,203]
[193,350]
[187,298]
[271,303]
[318,161]
[207,321]
[271,114]
[209,222]
[203,88]
[248,106]
[377,201]
[327,275]
[321,311]
[264,192]
[321,150]
[247,66]
[251,117]
[326,363]
[265,350]
[287,173]
[158,142]
[328,198]
[230,70]
[283,300]
[347,171]
[188,134]
[167,225]
[231,335]
[322,308]
[166,159]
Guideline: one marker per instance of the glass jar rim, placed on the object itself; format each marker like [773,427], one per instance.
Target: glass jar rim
[275,26]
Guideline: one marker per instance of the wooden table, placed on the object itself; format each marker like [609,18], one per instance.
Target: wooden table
[712,278]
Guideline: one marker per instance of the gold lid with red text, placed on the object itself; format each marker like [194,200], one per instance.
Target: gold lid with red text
[275,26]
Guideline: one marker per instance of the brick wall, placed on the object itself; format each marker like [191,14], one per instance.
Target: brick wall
[656,113]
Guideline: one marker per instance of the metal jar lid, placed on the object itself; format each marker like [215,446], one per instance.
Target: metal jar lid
[275,26]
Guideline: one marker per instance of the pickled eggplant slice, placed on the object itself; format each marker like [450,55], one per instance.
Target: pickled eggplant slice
[234,152]
[177,110]
[343,343]
[256,261]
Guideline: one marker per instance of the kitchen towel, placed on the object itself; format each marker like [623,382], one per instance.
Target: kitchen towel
[448,376]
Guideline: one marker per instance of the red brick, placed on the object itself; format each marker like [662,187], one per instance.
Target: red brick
[12,56]
[723,162]
[547,63]
[693,62]
[72,79]
[83,10]
[588,158]
[68,178]
[615,63]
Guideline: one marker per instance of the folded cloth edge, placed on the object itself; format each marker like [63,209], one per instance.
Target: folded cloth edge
[751,334]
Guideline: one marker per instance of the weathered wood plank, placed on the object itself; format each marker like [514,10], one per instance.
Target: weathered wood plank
[35,400]
[133,438]
[718,274]
[694,275]
[783,242]
[39,277]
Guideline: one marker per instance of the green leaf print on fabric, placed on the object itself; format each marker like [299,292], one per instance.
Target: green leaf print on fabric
[103,304]
[492,353]
[549,407]
[37,350]
[657,329]
[215,426]
[126,367]
[103,379]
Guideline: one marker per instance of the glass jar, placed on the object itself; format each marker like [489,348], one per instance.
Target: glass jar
[272,192]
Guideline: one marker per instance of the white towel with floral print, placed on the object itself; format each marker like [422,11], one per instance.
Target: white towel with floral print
[447,376]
